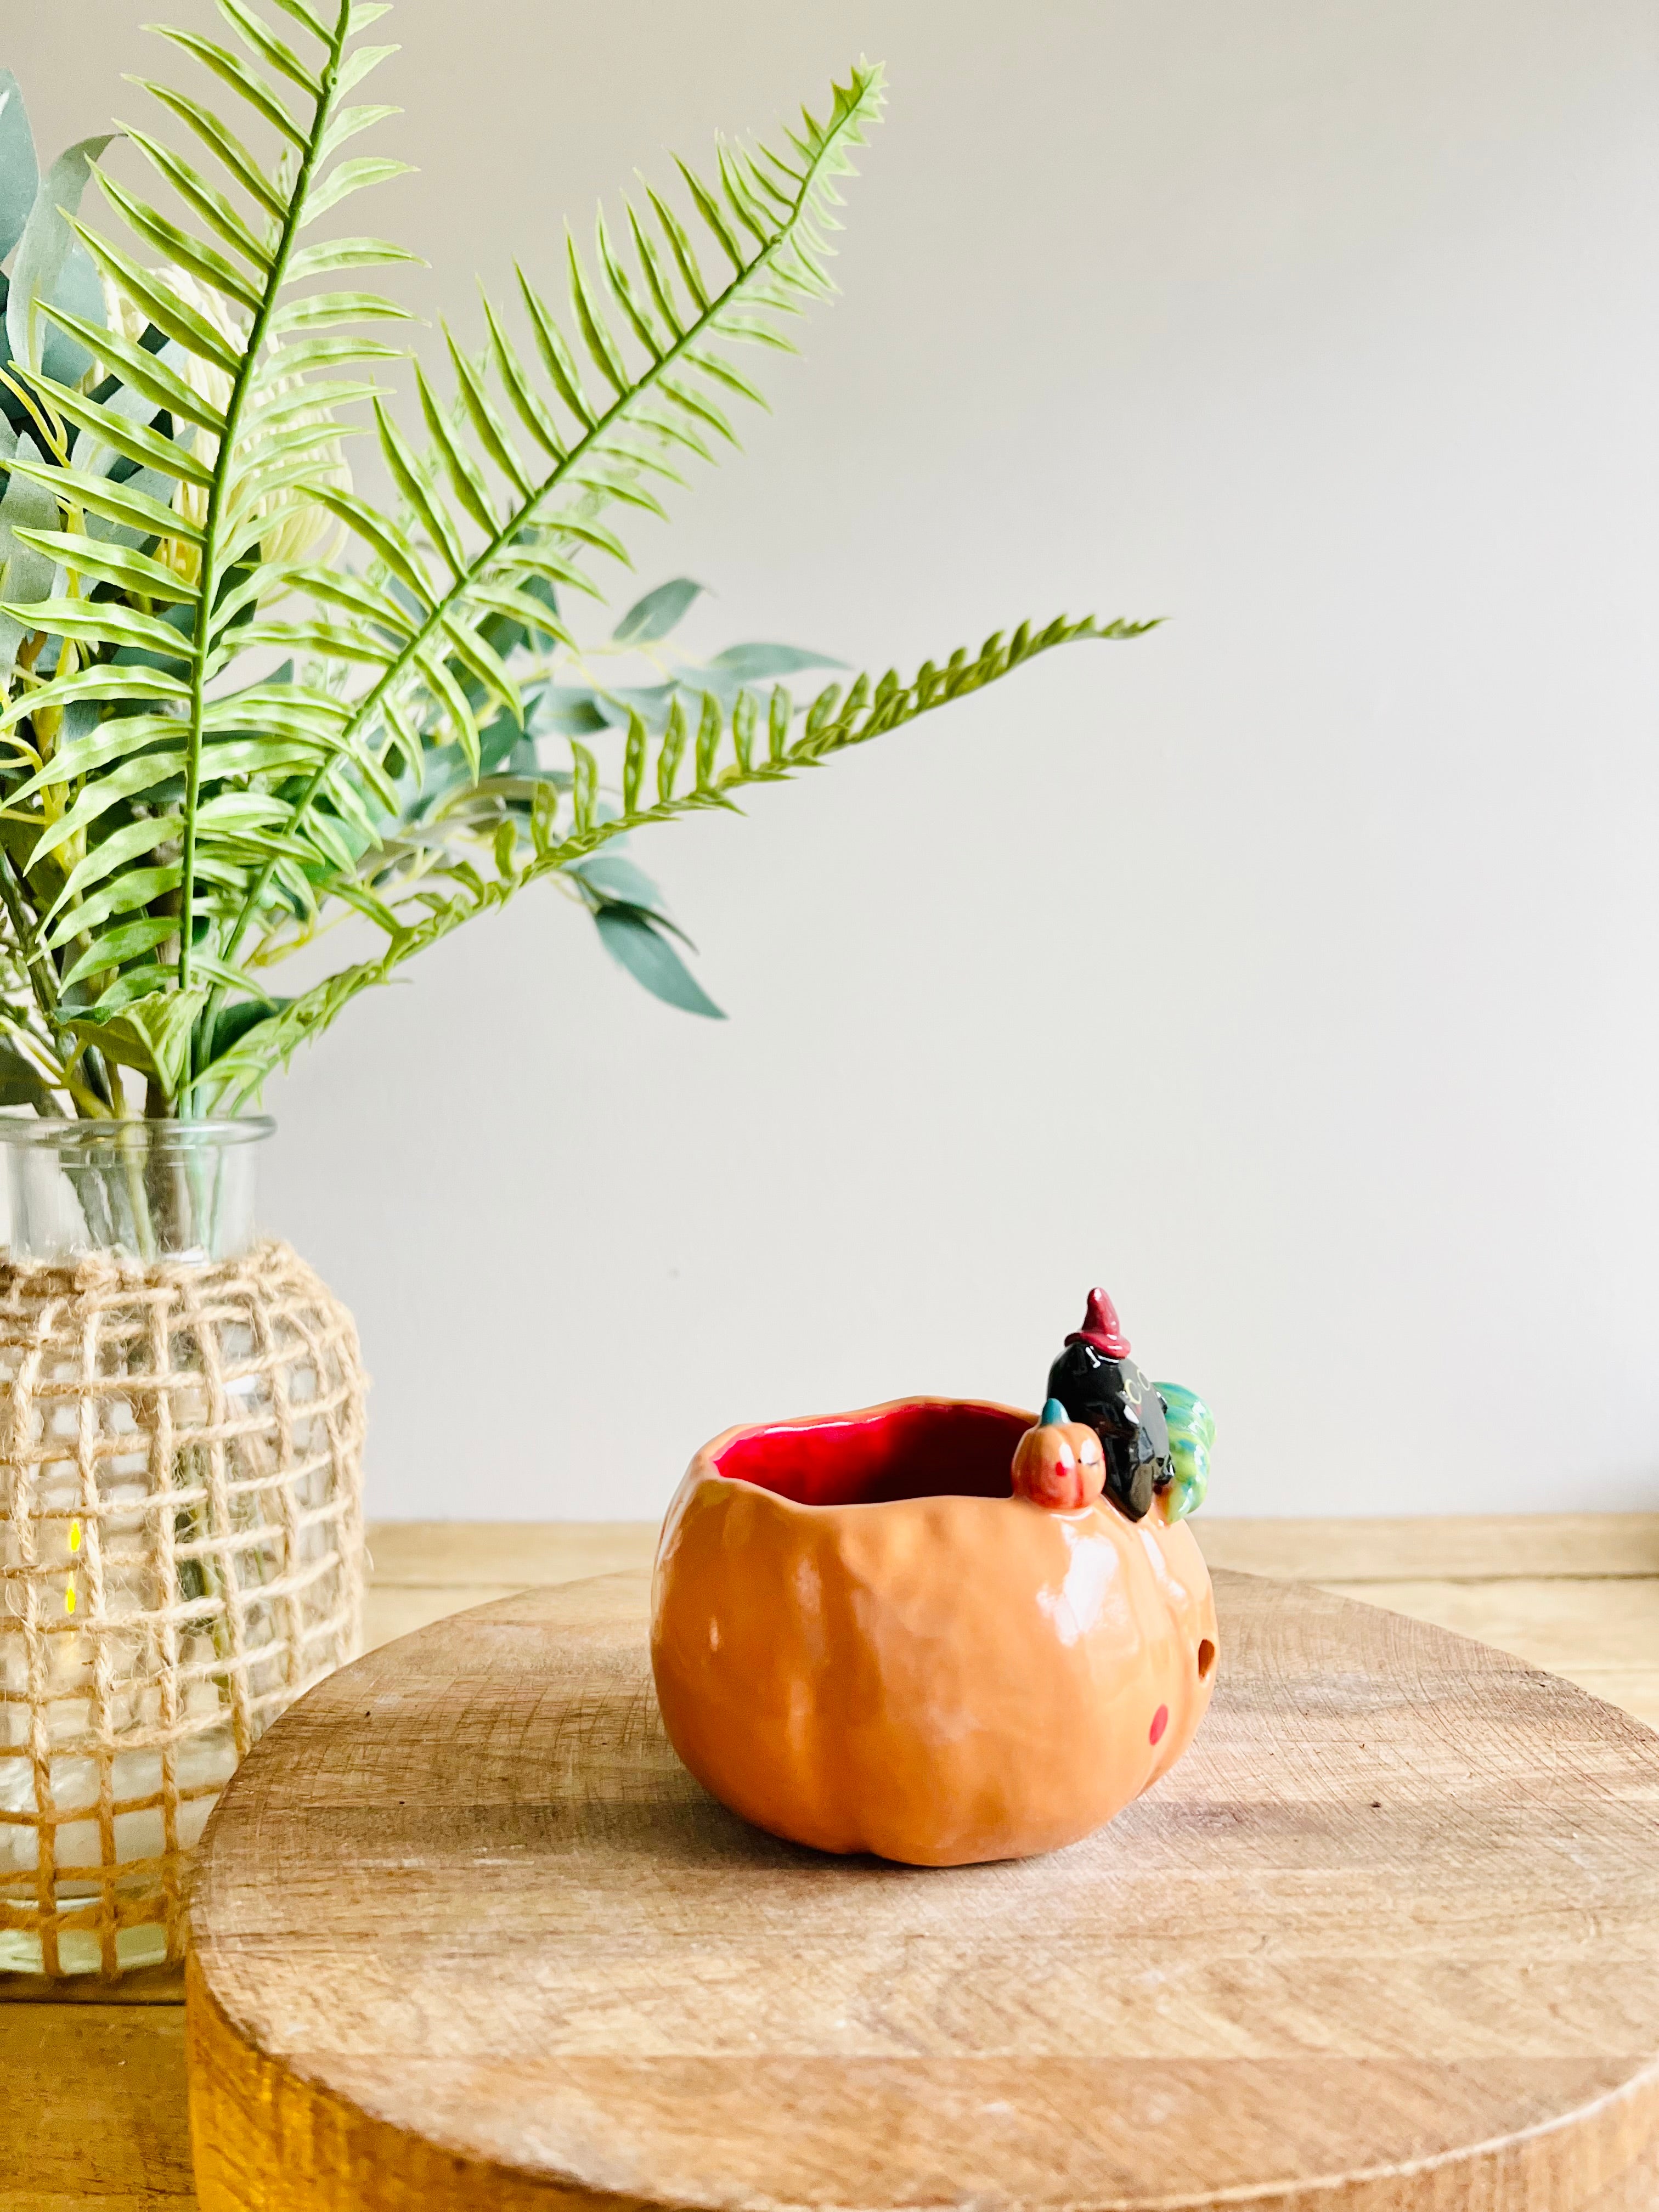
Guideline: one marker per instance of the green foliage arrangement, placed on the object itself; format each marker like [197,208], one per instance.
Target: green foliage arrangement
[216,737]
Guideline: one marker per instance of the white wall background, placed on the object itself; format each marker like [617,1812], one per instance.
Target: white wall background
[1293,971]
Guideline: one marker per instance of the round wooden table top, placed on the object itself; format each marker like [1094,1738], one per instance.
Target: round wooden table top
[467,1935]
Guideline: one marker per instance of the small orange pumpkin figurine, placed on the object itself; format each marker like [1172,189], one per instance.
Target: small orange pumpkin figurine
[1059,1463]
[868,1635]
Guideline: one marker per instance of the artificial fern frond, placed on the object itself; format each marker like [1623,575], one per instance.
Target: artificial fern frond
[610,449]
[169,828]
[724,760]
[255,342]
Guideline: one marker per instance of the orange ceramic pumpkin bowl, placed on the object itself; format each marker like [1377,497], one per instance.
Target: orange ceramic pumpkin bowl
[864,1641]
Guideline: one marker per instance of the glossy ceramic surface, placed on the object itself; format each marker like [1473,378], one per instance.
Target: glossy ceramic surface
[864,1640]
[1059,1463]
[1156,1436]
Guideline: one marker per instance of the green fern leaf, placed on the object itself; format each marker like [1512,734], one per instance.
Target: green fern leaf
[339,253]
[708,208]
[384,538]
[142,372]
[178,245]
[357,64]
[351,123]
[556,354]
[138,444]
[266,47]
[134,841]
[230,70]
[355,595]
[656,273]
[684,255]
[214,209]
[518,607]
[99,561]
[327,310]
[100,622]
[133,888]
[428,508]
[521,394]
[90,686]
[124,504]
[591,324]
[465,479]
[220,141]
[622,291]
[481,661]
[164,308]
[131,778]
[487,425]
[348,177]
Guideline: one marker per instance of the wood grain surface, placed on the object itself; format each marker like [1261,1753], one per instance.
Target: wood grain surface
[467,1935]
[1453,1547]
[91,2107]
[68,2126]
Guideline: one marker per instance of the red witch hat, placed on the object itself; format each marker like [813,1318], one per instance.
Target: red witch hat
[1102,1328]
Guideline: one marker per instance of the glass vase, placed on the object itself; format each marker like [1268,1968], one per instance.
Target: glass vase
[133,1190]
[181,1416]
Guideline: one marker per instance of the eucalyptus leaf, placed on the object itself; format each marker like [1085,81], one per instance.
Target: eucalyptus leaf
[568,710]
[657,613]
[750,664]
[497,743]
[19,173]
[26,575]
[651,701]
[634,942]
[619,879]
[52,265]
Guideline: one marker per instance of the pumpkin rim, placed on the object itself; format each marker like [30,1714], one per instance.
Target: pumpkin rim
[1003,1422]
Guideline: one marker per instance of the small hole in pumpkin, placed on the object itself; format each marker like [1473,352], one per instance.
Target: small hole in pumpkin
[1206,1659]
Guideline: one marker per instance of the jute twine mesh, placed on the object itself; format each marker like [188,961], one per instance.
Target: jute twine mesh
[181,1556]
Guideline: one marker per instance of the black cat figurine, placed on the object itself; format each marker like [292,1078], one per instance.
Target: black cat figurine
[1097,1382]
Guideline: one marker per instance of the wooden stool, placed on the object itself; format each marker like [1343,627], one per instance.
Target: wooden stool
[468,1935]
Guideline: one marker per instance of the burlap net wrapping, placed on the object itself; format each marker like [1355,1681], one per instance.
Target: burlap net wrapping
[180,1558]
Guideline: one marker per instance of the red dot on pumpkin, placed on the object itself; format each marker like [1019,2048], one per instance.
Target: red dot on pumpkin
[1160,1722]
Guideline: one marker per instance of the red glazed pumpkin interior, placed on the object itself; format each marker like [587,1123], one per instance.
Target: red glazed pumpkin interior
[916,1450]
